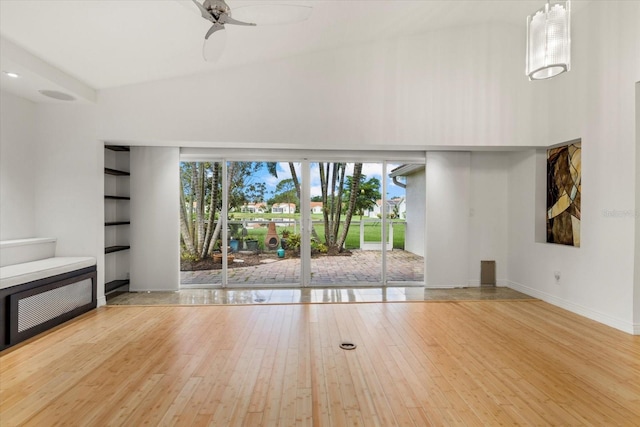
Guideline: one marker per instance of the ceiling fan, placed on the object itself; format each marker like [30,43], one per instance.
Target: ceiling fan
[219,14]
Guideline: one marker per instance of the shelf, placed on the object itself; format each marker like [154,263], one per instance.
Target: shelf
[115,172]
[114,284]
[112,249]
[118,240]
[116,148]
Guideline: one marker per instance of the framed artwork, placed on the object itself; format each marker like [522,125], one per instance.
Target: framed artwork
[564,189]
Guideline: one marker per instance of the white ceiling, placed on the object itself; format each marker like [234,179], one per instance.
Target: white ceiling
[109,43]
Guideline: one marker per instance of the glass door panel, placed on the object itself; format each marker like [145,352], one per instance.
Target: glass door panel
[200,226]
[263,223]
[406,190]
[346,224]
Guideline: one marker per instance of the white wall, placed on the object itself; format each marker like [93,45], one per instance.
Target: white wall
[595,102]
[488,217]
[17,177]
[636,291]
[448,186]
[69,182]
[460,86]
[155,235]
[69,177]
[466,216]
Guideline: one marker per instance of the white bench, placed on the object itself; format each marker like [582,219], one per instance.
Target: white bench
[39,290]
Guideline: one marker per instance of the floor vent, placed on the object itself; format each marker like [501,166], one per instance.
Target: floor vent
[348,346]
[488,273]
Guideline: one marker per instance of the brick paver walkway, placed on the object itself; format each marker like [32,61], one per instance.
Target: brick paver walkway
[360,267]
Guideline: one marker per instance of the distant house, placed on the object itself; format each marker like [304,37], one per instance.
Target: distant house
[283,208]
[397,206]
[316,207]
[254,207]
[375,211]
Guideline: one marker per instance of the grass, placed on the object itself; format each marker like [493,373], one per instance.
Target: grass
[372,231]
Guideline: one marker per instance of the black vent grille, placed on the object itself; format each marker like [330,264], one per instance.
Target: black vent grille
[40,308]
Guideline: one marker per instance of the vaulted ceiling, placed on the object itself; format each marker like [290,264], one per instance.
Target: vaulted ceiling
[110,43]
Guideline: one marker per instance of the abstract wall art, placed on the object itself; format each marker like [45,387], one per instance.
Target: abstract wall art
[564,189]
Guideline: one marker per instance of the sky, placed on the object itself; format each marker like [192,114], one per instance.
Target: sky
[371,170]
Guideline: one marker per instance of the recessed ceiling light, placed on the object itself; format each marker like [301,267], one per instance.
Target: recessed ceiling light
[12,74]
[61,96]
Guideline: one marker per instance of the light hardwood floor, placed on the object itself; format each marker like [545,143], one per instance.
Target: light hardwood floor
[422,363]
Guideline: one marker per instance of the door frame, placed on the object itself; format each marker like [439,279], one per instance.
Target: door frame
[306,158]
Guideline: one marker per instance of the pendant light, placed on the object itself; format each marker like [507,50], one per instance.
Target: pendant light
[549,41]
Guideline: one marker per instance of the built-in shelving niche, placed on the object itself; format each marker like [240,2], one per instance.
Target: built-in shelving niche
[117,223]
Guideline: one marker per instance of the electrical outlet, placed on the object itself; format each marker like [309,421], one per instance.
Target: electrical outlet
[556,274]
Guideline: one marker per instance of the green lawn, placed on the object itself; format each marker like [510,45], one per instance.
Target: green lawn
[372,230]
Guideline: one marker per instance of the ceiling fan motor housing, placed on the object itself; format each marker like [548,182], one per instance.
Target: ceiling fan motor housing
[216,7]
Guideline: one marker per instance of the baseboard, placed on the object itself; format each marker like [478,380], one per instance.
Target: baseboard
[101,301]
[501,283]
[605,319]
[443,286]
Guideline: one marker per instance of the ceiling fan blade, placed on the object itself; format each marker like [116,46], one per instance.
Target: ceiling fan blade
[272,14]
[226,19]
[213,47]
[215,27]
[204,12]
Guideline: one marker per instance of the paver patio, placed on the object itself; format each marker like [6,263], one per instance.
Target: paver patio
[360,267]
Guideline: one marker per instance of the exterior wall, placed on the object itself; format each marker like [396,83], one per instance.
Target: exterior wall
[415,201]
[283,208]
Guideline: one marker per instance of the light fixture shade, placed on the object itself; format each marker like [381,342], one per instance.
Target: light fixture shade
[549,41]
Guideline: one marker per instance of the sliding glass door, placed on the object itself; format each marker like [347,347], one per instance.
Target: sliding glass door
[259,223]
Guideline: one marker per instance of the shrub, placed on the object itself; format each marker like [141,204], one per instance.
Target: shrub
[293,241]
[187,257]
[319,247]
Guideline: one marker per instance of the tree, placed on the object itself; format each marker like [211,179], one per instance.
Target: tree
[367,195]
[285,192]
[357,173]
[201,199]
[332,183]
[199,204]
[242,185]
